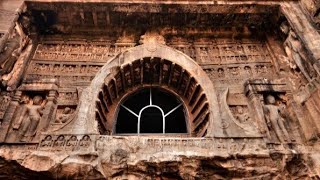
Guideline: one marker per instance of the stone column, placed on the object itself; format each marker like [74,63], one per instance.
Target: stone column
[312,105]
[255,102]
[8,116]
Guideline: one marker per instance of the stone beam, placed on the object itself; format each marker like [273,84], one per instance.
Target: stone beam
[223,7]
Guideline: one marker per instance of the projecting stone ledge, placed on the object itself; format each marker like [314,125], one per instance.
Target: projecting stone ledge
[106,157]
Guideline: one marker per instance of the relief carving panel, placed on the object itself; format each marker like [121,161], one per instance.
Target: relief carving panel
[5,98]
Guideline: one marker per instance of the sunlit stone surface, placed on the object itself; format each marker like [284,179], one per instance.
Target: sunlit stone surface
[115,89]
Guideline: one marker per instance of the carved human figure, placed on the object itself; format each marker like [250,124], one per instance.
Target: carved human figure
[71,143]
[210,73]
[241,116]
[203,54]
[264,69]
[4,99]
[229,50]
[248,70]
[252,48]
[260,69]
[59,142]
[220,72]
[12,51]
[10,54]
[297,54]
[234,71]
[274,119]
[65,116]
[221,145]
[27,122]
[100,143]
[85,141]
[47,142]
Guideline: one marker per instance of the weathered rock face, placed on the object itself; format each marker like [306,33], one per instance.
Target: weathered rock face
[166,158]
[166,90]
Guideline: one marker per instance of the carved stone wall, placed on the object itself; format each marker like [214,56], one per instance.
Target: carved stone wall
[246,72]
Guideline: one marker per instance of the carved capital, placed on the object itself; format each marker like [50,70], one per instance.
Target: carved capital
[17,96]
[52,96]
[152,37]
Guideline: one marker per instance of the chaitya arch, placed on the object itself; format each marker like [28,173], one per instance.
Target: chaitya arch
[151,110]
[151,65]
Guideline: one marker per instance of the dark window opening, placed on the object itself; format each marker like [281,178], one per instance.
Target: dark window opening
[151,121]
[151,111]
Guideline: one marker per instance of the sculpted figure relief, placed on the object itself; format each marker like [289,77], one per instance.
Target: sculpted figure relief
[5,100]
[29,117]
[248,70]
[71,143]
[241,116]
[65,116]
[14,47]
[274,120]
[220,73]
[296,53]
[47,142]
[59,142]
[85,141]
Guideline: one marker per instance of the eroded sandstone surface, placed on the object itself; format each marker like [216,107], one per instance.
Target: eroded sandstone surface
[159,90]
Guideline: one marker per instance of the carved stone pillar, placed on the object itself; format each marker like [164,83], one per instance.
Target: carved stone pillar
[9,115]
[255,103]
[307,126]
[312,105]
[306,101]
[50,108]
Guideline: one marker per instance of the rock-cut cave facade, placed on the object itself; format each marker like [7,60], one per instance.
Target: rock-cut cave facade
[179,89]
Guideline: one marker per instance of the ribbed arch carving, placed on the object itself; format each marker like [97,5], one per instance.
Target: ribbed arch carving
[154,65]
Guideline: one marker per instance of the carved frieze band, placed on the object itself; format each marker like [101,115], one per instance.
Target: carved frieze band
[63,71]
[224,52]
[218,72]
[101,143]
[212,54]
[39,67]
[204,51]
[79,52]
